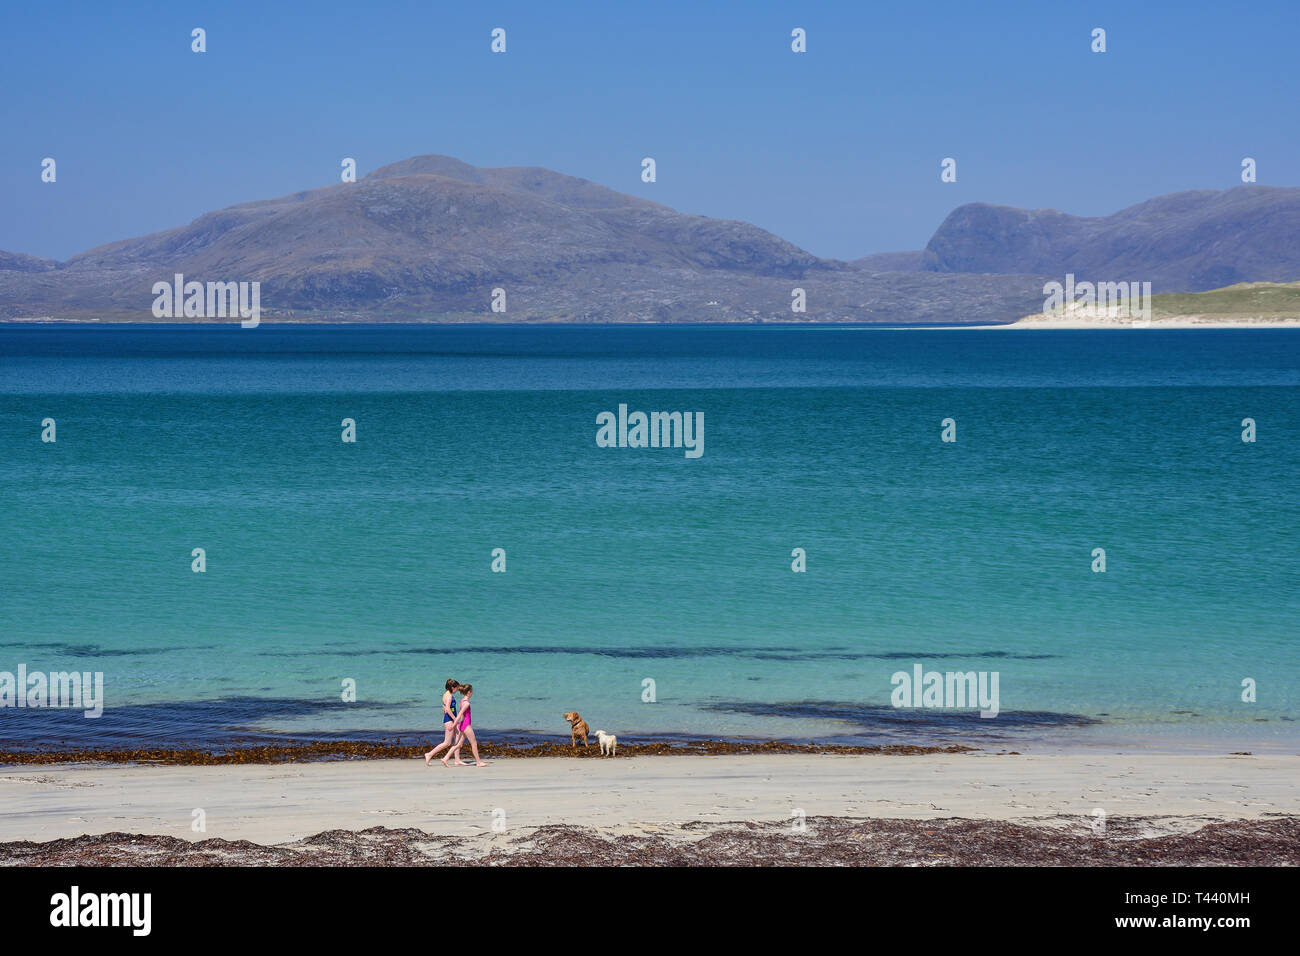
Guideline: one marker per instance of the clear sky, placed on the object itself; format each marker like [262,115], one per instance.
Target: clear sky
[837,149]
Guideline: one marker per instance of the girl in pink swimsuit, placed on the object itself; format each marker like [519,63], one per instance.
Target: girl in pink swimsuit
[464,730]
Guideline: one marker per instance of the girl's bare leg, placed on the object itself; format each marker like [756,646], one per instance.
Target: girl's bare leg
[446,742]
[473,744]
[455,751]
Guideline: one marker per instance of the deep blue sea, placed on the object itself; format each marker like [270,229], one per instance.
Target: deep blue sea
[371,561]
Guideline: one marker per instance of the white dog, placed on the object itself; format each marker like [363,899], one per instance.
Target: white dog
[608,743]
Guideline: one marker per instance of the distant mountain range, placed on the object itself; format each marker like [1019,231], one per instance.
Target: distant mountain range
[429,238]
[1184,242]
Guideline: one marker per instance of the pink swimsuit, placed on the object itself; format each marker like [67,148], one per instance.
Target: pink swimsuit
[464,720]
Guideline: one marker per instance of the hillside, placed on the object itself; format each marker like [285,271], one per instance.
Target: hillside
[430,238]
[1183,242]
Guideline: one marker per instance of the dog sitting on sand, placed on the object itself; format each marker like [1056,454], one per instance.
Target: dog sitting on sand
[578,728]
[608,743]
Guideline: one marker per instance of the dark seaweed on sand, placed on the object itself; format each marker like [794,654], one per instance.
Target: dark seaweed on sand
[827,841]
[376,750]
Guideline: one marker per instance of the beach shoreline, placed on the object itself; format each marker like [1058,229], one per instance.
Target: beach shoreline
[269,749]
[262,753]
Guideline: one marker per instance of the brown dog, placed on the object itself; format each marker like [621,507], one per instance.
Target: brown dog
[578,727]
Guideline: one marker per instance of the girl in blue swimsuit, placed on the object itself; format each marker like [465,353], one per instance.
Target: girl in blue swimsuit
[448,719]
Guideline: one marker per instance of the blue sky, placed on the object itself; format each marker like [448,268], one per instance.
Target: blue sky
[837,149]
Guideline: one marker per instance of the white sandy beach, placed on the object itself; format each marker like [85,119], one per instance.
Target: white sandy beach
[1045,323]
[1171,322]
[271,804]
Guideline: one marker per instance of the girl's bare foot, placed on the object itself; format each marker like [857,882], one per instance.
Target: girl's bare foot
[445,759]
[480,764]
[428,757]
[460,763]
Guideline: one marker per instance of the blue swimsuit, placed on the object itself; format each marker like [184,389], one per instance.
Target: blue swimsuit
[445,718]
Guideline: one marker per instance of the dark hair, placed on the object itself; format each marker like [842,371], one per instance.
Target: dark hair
[452,683]
[466,689]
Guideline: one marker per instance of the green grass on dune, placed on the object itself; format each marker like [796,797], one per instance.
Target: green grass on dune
[1279,300]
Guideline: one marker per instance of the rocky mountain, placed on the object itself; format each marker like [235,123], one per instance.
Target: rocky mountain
[430,238]
[1183,242]
[17,262]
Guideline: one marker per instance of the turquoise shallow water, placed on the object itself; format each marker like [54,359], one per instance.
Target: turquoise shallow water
[371,560]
